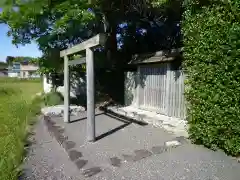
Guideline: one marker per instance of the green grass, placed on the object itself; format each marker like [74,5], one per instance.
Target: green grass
[18,107]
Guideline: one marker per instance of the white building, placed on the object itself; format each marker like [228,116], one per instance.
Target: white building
[23,70]
[29,71]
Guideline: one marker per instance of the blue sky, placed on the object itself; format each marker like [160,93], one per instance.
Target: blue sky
[8,49]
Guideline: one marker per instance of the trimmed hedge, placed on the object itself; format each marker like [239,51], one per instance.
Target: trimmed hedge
[212,64]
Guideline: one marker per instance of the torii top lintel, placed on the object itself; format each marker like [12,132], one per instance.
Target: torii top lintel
[92,42]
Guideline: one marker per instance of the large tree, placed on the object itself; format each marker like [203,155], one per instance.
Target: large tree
[56,25]
[59,24]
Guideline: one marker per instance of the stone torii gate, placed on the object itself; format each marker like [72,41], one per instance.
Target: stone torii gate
[89,60]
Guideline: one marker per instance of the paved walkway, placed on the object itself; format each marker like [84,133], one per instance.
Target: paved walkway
[124,150]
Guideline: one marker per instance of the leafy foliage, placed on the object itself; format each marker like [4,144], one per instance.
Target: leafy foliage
[60,24]
[55,25]
[22,59]
[46,21]
[212,62]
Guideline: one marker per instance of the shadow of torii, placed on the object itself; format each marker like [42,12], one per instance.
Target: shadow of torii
[114,116]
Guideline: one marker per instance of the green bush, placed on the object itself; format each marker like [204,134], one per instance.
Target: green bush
[212,64]
[53,98]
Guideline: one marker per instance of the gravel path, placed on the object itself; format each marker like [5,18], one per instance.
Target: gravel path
[130,151]
[47,160]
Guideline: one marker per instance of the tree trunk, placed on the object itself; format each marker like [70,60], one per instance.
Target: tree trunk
[112,46]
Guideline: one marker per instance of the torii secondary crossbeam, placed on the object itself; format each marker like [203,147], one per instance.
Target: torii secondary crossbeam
[89,60]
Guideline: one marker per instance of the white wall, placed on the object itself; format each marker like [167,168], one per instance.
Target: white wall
[29,74]
[130,94]
[77,87]
[29,67]
[46,86]
[13,74]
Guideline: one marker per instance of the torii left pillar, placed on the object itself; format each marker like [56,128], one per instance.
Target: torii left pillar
[90,94]
[66,113]
[86,45]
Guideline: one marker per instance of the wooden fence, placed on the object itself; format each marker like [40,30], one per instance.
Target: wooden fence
[158,87]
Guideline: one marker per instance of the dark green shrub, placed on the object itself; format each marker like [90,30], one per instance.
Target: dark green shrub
[212,64]
[53,98]
[36,105]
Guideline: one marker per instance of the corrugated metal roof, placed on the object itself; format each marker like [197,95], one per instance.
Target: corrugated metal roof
[159,56]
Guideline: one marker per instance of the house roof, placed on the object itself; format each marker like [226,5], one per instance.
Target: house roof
[159,56]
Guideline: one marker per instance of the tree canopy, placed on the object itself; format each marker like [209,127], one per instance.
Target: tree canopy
[60,24]
[22,59]
[131,26]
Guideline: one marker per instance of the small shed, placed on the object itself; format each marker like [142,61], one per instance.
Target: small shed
[158,83]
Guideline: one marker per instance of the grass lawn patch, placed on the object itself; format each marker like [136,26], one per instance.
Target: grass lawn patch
[17,108]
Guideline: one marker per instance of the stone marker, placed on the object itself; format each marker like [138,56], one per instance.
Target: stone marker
[159,149]
[128,158]
[69,145]
[141,154]
[74,155]
[81,163]
[92,171]
[115,161]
